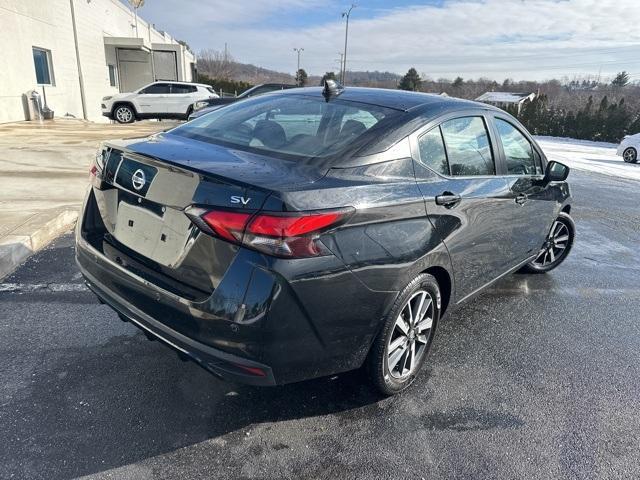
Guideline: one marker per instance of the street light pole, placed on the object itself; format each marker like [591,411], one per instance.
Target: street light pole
[346,35]
[136,4]
[299,50]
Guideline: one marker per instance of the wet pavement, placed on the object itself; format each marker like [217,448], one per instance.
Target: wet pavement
[44,166]
[536,378]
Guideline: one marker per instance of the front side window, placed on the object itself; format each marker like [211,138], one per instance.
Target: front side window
[432,152]
[295,125]
[43,65]
[157,88]
[521,158]
[468,147]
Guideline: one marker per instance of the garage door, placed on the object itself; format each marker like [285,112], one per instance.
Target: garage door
[135,69]
[165,65]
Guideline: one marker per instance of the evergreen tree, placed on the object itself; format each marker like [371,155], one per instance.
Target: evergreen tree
[620,80]
[301,77]
[604,104]
[634,126]
[411,81]
[458,82]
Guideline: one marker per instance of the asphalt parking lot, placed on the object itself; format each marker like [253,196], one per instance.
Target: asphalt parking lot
[537,378]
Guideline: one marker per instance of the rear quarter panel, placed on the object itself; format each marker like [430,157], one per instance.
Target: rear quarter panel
[389,240]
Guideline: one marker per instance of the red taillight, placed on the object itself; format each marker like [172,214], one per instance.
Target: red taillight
[228,225]
[277,226]
[97,164]
[280,234]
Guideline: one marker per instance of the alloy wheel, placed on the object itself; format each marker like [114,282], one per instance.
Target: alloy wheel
[410,337]
[630,155]
[124,114]
[555,247]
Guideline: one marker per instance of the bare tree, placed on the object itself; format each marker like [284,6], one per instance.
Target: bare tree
[217,64]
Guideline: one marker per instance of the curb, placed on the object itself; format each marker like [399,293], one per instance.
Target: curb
[35,234]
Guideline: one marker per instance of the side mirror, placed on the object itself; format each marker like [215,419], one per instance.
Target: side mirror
[556,172]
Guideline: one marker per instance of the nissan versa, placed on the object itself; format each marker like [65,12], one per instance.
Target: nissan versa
[313,231]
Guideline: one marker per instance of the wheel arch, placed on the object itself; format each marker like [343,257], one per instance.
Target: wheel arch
[566,209]
[126,104]
[443,278]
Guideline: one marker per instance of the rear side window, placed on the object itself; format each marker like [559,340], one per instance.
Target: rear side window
[295,125]
[520,155]
[432,152]
[468,147]
[177,88]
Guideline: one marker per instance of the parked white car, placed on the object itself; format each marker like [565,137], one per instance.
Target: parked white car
[629,148]
[156,100]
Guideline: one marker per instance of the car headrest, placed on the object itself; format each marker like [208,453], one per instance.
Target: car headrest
[270,133]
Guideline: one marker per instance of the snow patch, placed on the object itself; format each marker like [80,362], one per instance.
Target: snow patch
[598,157]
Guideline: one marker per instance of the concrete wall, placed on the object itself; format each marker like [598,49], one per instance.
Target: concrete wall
[47,24]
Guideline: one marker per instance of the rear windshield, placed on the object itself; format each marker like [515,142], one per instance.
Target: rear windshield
[294,125]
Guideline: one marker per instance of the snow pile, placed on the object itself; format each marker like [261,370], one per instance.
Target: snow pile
[599,157]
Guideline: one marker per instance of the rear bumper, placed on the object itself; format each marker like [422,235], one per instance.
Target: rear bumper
[222,364]
[291,319]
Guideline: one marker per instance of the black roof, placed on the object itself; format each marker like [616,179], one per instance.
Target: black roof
[397,99]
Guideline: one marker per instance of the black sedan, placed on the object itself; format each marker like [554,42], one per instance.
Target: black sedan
[205,106]
[313,231]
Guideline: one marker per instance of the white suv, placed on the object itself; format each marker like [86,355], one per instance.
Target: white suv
[156,100]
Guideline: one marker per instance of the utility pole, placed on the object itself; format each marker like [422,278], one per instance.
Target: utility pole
[341,65]
[299,50]
[346,35]
[83,99]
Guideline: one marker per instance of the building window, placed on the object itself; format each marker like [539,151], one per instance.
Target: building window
[43,66]
[112,76]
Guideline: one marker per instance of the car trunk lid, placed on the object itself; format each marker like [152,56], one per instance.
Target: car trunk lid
[146,186]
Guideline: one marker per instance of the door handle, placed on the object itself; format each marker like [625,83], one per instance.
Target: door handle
[521,198]
[448,199]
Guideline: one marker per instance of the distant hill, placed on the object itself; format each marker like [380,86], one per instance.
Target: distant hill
[365,79]
[246,72]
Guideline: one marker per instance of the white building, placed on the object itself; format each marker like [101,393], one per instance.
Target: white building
[79,51]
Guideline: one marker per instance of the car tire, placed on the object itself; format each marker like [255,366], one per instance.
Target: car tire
[556,247]
[124,114]
[399,351]
[189,112]
[630,155]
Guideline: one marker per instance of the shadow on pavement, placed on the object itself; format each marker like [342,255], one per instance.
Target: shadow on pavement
[100,407]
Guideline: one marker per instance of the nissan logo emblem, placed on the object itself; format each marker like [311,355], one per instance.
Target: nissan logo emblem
[138,179]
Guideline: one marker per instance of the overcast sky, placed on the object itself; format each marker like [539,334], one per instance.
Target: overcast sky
[519,39]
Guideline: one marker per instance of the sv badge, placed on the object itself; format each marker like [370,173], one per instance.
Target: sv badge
[242,200]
